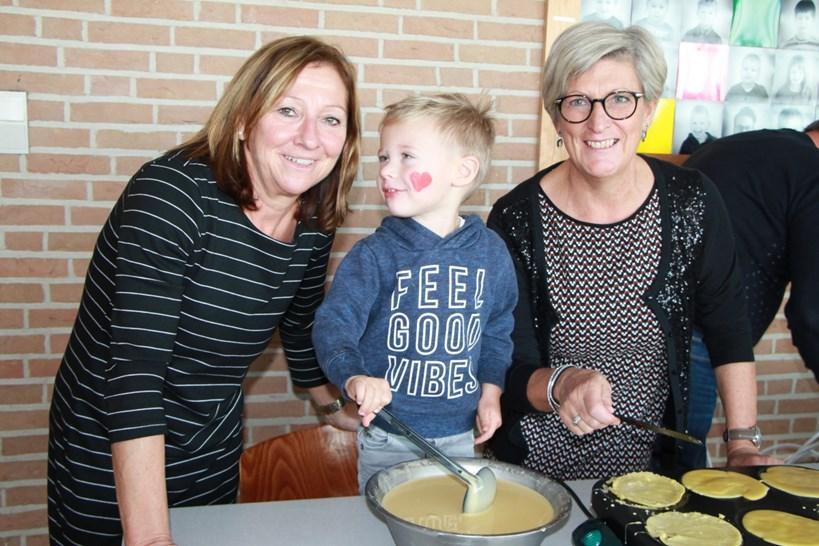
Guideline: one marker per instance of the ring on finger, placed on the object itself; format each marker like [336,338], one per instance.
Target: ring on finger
[576,419]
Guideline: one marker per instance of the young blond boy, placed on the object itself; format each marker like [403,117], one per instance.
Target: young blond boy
[419,316]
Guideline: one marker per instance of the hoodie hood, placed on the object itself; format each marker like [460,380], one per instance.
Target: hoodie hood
[411,235]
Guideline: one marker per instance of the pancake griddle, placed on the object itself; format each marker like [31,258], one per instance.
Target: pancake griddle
[628,521]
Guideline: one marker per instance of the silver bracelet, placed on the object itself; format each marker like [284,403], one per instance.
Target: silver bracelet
[550,386]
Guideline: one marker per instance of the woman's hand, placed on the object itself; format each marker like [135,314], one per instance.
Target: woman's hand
[585,401]
[736,383]
[370,393]
[745,453]
[346,418]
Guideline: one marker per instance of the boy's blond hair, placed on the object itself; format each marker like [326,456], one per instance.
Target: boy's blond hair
[460,122]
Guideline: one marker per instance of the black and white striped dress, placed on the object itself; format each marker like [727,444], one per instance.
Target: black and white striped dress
[181,295]
[598,275]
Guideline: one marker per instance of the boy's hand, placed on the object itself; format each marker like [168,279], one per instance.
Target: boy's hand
[488,419]
[370,393]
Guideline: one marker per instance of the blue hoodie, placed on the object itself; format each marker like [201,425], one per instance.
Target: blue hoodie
[431,315]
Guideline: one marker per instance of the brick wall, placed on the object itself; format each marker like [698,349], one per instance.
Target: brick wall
[112,83]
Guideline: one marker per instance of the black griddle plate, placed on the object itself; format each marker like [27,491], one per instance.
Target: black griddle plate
[628,521]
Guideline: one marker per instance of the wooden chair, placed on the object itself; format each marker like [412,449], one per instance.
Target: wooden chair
[308,463]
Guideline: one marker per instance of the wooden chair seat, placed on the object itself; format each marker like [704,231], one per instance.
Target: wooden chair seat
[308,463]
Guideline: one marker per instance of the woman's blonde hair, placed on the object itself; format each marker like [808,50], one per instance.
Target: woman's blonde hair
[582,45]
[252,92]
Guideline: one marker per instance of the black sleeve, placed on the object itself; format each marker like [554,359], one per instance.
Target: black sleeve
[802,309]
[296,327]
[526,353]
[720,304]
[159,220]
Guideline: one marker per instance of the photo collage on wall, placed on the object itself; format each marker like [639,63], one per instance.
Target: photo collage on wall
[733,65]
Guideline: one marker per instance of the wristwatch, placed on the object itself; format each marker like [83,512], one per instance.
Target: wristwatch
[332,407]
[751,433]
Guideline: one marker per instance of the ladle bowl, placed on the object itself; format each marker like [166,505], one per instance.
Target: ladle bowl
[480,494]
[405,533]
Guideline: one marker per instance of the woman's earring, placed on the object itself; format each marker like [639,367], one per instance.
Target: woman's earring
[559,141]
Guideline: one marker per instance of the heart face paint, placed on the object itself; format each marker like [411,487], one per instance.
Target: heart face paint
[420,180]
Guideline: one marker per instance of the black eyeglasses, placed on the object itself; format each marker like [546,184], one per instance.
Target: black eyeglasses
[617,105]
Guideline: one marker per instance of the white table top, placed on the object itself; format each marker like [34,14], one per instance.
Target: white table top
[339,521]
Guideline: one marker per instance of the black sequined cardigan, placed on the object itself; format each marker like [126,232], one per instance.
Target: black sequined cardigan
[697,280]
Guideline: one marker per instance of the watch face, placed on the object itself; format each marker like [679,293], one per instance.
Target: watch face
[332,407]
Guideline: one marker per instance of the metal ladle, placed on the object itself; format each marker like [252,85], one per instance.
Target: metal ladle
[480,487]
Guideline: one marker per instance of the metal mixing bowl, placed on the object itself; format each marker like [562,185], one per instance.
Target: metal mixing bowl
[405,533]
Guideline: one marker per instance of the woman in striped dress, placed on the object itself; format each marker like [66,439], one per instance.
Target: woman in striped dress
[210,248]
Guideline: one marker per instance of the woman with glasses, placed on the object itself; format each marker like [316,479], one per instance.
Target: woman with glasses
[615,254]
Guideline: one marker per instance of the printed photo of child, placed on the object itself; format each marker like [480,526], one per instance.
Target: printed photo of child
[660,17]
[749,74]
[696,123]
[795,81]
[798,25]
[707,21]
[616,13]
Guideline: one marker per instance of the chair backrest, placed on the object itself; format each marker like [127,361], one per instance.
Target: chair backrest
[308,463]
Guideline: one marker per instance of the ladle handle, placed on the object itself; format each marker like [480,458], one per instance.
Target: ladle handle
[430,449]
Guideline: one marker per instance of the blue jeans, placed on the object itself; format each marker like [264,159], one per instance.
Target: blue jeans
[702,399]
[379,449]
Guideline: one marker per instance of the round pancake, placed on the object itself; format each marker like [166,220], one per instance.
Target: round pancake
[692,529]
[647,489]
[723,484]
[795,480]
[782,528]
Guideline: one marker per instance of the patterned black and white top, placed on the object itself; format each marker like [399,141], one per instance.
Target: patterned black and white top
[598,275]
[182,294]
[696,276]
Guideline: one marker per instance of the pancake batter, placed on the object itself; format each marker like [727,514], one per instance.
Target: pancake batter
[436,502]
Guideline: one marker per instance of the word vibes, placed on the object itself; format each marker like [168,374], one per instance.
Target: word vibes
[434,324]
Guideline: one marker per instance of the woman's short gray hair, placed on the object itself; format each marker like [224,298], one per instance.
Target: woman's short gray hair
[582,45]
